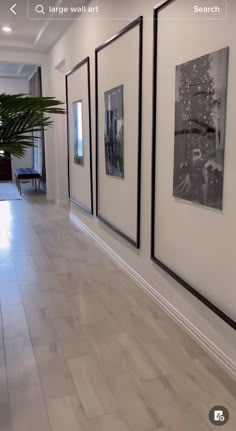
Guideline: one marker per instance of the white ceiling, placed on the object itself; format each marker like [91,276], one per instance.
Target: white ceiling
[16,70]
[38,34]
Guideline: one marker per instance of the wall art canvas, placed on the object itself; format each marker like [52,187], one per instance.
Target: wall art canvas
[201,88]
[114,132]
[78,132]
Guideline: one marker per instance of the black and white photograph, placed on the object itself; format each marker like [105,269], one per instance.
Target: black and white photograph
[78,133]
[114,132]
[200,115]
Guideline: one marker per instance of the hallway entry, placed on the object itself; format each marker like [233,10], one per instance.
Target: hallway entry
[5,170]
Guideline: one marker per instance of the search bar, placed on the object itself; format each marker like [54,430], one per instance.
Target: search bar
[191,10]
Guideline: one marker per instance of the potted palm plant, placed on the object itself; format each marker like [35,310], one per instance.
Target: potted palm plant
[21,117]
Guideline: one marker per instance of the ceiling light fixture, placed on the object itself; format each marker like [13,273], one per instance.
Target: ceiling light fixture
[7,29]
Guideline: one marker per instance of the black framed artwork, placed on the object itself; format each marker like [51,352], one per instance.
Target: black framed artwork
[114,132]
[78,132]
[188,146]
[118,93]
[200,116]
[79,136]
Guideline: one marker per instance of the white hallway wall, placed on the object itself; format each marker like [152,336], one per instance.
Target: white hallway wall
[16,86]
[78,42]
[13,85]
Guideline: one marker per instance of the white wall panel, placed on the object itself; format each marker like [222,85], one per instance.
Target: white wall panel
[118,64]
[216,280]
[80,183]
[197,242]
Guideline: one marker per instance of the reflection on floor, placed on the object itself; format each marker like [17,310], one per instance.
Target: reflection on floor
[82,348]
[9,191]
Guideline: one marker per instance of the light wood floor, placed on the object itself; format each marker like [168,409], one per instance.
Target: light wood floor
[82,348]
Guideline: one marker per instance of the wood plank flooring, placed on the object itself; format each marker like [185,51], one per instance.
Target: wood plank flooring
[82,348]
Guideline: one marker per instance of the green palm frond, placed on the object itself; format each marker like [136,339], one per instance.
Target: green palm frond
[21,117]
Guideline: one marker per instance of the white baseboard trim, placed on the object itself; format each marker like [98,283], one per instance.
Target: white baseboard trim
[210,347]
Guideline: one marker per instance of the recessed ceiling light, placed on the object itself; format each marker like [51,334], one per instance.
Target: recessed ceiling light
[7,29]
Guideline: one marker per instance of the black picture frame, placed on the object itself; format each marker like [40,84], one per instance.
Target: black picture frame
[85,62]
[157,261]
[136,23]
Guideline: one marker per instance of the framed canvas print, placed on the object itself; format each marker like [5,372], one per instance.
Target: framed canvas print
[78,132]
[114,132]
[200,115]
[79,136]
[119,130]
[193,154]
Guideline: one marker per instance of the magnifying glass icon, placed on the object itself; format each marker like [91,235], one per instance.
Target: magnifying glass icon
[39,9]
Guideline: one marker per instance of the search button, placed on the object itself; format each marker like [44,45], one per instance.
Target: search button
[39,9]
